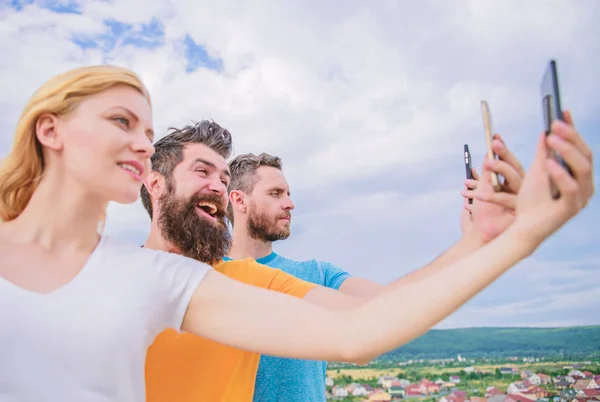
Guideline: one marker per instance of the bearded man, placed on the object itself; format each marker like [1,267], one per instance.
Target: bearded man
[186,197]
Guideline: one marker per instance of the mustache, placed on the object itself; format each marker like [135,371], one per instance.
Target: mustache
[287,215]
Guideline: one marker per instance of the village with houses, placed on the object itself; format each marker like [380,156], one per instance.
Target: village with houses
[575,386]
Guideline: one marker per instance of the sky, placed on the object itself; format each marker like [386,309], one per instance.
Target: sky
[368,104]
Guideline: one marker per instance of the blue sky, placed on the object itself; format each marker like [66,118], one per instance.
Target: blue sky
[369,106]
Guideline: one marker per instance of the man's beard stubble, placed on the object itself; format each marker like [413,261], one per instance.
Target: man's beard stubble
[263,228]
[195,237]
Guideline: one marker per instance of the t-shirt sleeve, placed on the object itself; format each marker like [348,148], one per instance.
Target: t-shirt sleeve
[334,276]
[283,282]
[178,278]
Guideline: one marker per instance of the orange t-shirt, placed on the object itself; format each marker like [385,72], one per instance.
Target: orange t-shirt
[182,367]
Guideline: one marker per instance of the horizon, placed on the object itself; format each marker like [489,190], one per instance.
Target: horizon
[519,327]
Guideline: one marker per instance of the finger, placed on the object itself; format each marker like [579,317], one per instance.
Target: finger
[468,203]
[512,178]
[499,138]
[538,167]
[579,164]
[474,173]
[505,200]
[537,177]
[471,184]
[568,118]
[467,193]
[567,186]
[485,180]
[504,154]
[568,133]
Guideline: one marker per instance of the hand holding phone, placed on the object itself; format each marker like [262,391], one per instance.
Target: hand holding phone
[552,110]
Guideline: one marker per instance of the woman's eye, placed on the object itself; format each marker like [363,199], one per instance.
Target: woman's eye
[124,121]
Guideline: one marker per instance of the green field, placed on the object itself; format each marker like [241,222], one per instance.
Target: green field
[569,343]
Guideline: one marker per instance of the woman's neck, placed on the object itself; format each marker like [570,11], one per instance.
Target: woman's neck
[60,215]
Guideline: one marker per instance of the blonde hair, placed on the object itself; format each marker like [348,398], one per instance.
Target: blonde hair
[22,169]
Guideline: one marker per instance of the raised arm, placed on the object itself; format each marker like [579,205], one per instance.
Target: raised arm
[492,213]
[263,321]
[269,323]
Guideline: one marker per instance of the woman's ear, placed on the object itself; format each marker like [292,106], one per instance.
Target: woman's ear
[46,131]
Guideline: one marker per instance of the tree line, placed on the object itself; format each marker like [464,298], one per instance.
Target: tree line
[497,343]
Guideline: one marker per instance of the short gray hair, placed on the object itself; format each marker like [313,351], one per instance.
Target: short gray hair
[169,149]
[243,173]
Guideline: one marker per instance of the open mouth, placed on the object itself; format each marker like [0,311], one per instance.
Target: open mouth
[208,208]
[134,170]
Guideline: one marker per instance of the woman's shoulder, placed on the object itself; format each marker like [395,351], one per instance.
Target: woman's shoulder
[137,254]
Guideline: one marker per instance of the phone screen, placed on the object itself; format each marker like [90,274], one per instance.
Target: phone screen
[552,111]
[551,105]
[489,132]
[551,97]
[468,163]
[468,166]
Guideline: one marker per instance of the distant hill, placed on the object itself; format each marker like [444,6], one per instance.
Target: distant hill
[570,342]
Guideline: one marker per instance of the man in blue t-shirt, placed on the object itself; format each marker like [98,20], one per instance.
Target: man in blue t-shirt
[260,212]
[257,223]
[281,379]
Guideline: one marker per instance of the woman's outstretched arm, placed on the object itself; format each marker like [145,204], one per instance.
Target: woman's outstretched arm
[271,323]
[258,320]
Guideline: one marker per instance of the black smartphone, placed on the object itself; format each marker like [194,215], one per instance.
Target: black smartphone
[551,106]
[468,166]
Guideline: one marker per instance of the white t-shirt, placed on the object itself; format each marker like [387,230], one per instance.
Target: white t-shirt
[87,341]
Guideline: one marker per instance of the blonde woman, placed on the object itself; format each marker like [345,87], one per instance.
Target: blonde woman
[78,310]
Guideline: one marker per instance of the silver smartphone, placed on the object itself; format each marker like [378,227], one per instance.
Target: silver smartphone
[489,133]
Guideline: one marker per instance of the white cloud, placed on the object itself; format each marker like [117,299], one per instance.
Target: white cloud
[550,303]
[538,292]
[127,11]
[350,96]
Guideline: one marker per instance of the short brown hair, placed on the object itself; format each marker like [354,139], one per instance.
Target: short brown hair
[169,149]
[243,173]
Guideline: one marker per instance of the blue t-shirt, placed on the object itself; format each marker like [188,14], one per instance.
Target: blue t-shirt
[293,380]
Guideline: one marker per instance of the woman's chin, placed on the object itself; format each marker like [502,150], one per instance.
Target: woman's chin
[126,197]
